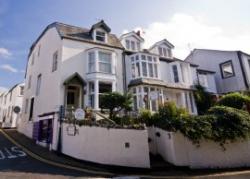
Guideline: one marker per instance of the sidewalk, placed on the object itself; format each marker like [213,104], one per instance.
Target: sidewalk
[160,168]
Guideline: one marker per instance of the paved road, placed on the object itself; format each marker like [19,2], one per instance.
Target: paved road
[14,163]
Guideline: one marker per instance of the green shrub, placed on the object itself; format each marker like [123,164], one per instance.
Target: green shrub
[234,100]
[203,99]
[169,115]
[222,124]
[230,124]
[145,116]
[197,127]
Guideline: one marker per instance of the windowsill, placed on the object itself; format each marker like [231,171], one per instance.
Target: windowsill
[150,78]
[101,73]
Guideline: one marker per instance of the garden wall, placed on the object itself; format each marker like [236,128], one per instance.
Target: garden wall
[180,151]
[122,147]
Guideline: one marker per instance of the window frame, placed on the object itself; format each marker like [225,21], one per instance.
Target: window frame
[221,69]
[38,84]
[55,61]
[141,64]
[104,62]
[104,36]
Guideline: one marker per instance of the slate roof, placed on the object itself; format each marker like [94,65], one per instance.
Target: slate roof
[79,34]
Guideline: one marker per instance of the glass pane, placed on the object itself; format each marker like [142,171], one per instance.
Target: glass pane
[175,72]
[144,69]
[156,70]
[150,69]
[138,70]
[227,69]
[105,87]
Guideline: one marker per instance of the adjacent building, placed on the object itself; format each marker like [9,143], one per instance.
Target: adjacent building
[232,68]
[155,76]
[11,105]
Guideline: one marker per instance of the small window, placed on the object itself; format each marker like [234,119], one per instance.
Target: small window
[100,36]
[21,90]
[227,70]
[29,82]
[31,109]
[175,72]
[138,46]
[160,51]
[55,61]
[127,44]
[38,85]
[26,106]
[133,45]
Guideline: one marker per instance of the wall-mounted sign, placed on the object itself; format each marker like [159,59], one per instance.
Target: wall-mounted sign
[17,109]
[79,114]
[71,130]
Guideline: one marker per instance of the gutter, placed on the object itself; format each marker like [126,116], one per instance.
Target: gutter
[242,69]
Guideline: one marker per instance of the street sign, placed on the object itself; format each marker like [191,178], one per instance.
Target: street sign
[79,114]
[17,109]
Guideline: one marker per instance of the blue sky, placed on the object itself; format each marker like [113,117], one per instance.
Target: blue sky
[218,24]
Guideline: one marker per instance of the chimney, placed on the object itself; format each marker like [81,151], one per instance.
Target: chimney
[138,33]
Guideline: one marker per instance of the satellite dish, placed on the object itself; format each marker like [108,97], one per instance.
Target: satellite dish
[17,109]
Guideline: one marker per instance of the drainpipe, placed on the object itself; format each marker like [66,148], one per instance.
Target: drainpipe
[61,116]
[124,73]
[242,69]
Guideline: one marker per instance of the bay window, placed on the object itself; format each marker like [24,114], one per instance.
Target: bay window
[144,66]
[100,61]
[105,62]
[147,97]
[91,61]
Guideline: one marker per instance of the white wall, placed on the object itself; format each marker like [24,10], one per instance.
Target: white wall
[180,151]
[107,146]
[166,146]
[13,99]
[48,99]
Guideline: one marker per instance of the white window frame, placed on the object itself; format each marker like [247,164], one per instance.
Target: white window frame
[137,69]
[55,61]
[96,35]
[97,61]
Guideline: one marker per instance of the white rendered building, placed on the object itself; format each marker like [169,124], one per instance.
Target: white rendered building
[10,101]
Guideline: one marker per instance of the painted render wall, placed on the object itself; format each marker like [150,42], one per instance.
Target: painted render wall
[48,99]
[180,151]
[75,59]
[107,146]
[211,59]
[16,100]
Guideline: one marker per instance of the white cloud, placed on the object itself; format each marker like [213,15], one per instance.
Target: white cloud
[3,89]
[9,68]
[5,53]
[186,32]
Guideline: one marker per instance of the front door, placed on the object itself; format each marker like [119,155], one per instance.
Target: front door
[73,97]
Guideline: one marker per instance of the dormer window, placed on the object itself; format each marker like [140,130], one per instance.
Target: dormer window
[100,36]
[164,52]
